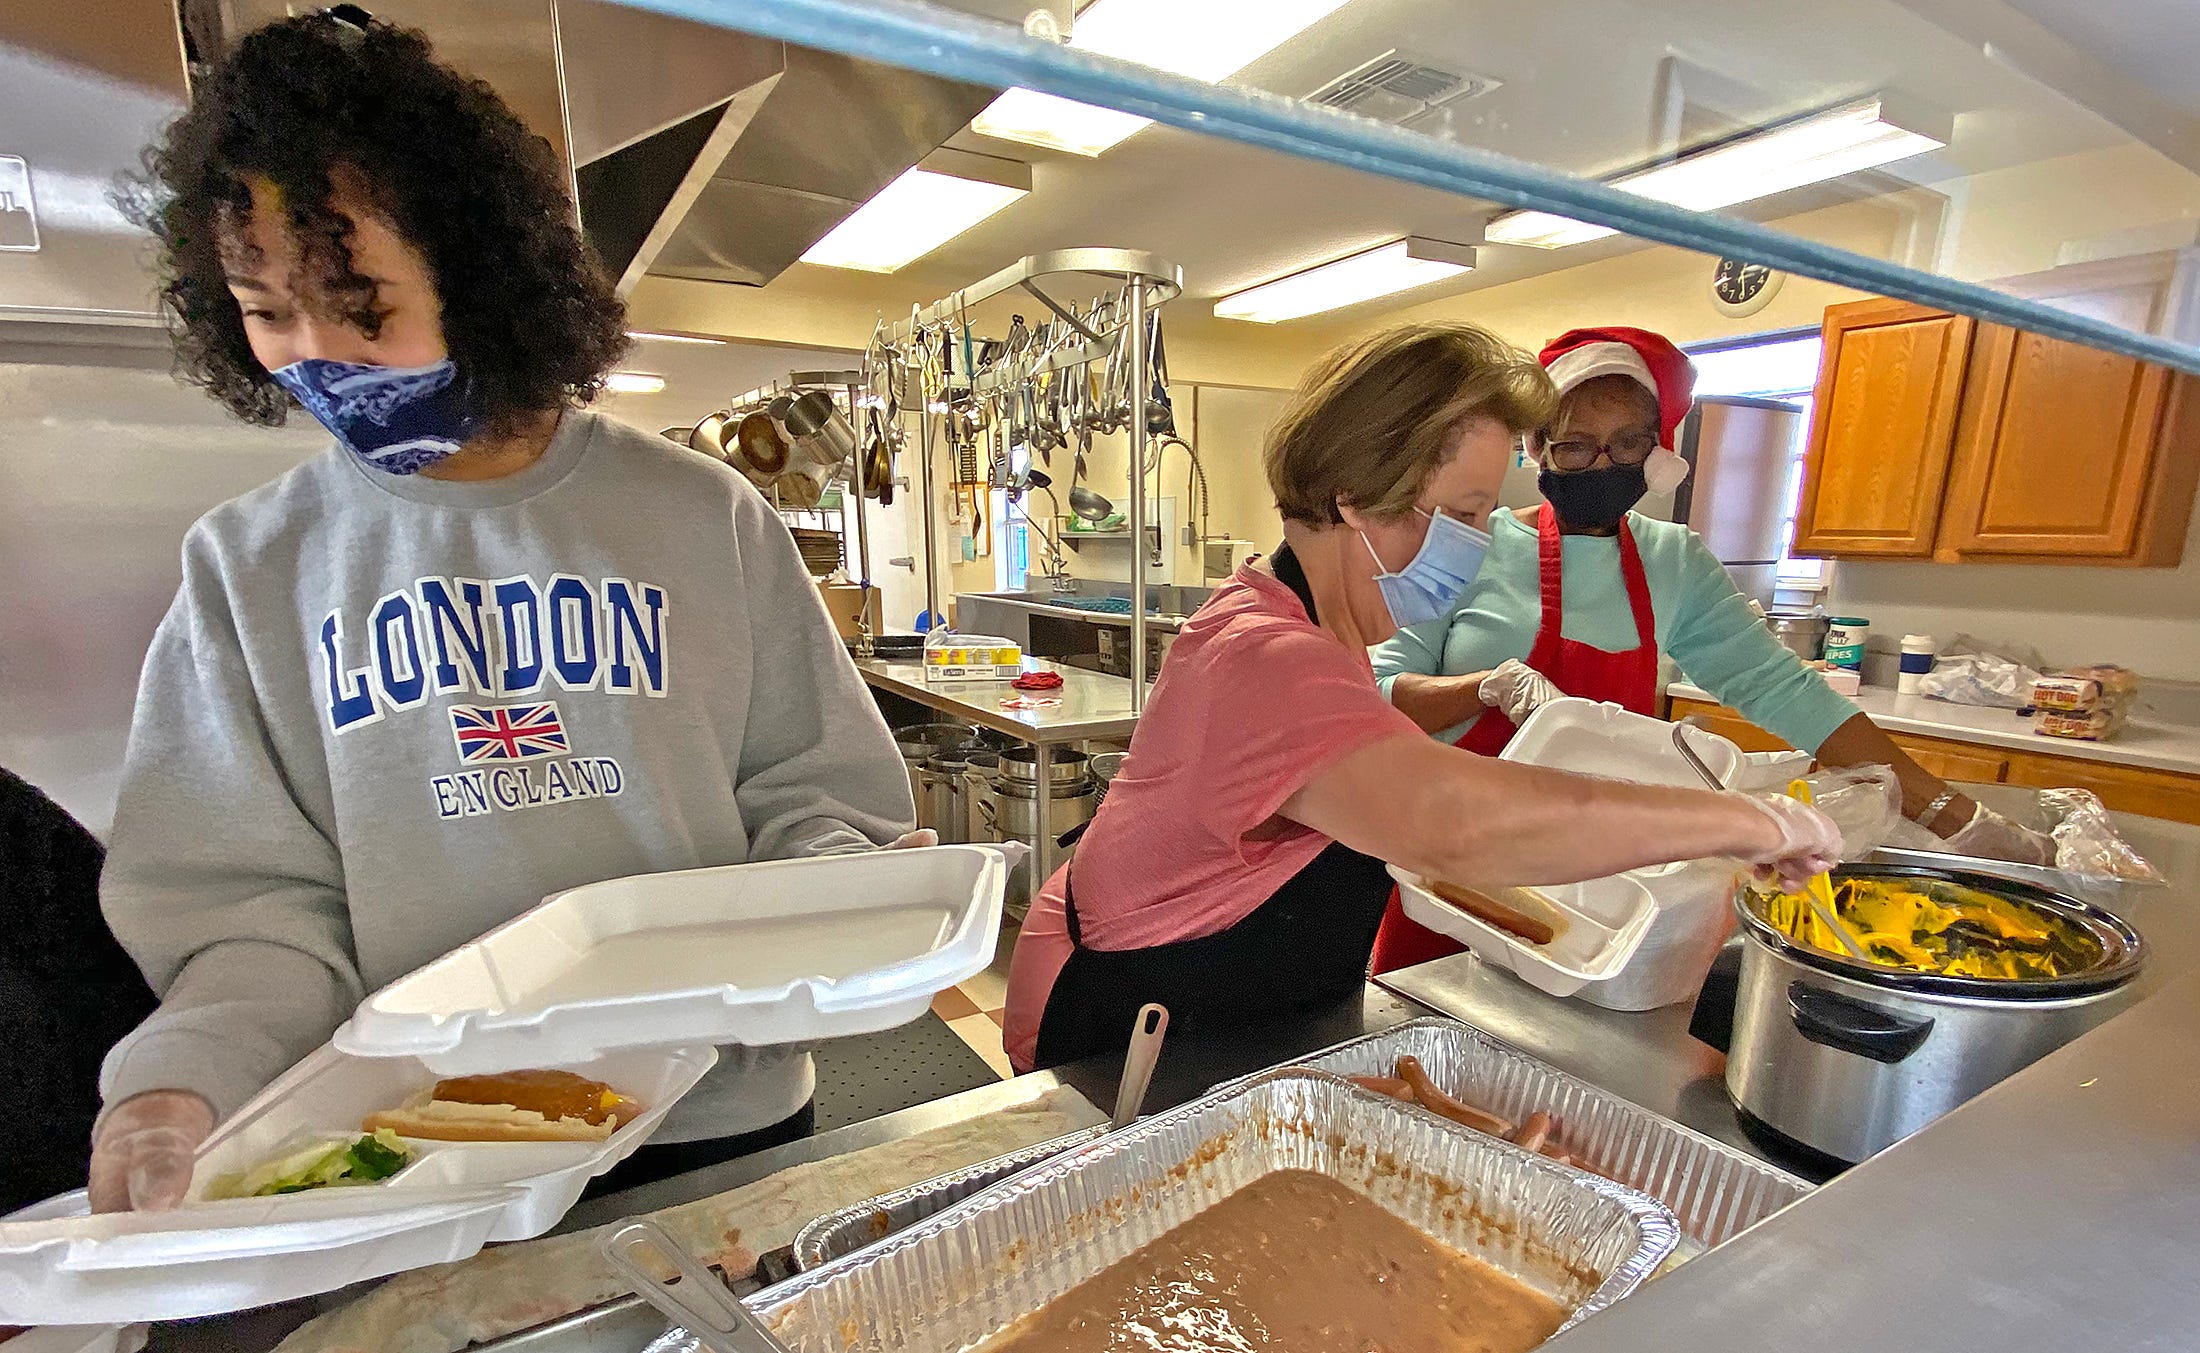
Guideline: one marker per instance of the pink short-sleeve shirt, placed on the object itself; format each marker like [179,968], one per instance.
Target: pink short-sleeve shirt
[1254,700]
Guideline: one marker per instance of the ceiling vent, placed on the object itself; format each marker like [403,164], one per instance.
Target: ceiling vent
[1395,88]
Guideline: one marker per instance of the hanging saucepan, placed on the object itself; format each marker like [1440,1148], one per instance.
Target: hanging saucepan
[709,436]
[801,488]
[878,462]
[761,453]
[820,433]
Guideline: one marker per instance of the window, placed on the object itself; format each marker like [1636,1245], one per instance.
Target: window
[1782,367]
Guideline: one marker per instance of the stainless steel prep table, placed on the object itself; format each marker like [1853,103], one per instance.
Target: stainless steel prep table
[1094,705]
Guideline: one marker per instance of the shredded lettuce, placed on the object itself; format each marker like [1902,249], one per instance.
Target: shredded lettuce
[366,1160]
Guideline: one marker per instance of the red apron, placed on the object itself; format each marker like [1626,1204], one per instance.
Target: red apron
[1629,679]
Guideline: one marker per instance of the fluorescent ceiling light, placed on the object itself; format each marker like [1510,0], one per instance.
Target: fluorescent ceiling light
[946,194]
[1381,271]
[633,383]
[671,338]
[1812,149]
[1202,39]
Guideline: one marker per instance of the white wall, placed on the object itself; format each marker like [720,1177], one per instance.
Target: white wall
[2147,619]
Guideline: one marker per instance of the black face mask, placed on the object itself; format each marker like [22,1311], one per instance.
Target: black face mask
[1594,499]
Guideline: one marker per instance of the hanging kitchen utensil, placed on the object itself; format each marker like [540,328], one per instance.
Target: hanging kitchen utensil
[878,462]
[763,451]
[1160,413]
[696,1300]
[709,436]
[1089,505]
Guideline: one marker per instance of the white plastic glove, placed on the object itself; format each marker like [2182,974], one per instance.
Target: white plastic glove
[143,1149]
[1990,836]
[1810,842]
[916,840]
[1517,690]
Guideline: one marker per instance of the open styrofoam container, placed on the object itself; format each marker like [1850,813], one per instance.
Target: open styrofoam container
[210,1256]
[756,954]
[1589,737]
[1605,922]
[1689,914]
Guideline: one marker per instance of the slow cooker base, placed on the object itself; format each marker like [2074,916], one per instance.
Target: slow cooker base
[1788,1153]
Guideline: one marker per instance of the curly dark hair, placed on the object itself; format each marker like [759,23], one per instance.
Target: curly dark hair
[528,315]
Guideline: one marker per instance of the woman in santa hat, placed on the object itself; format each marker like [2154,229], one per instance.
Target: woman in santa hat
[1581,595]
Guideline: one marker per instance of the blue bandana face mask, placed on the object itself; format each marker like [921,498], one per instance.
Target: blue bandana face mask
[396,419]
[1450,555]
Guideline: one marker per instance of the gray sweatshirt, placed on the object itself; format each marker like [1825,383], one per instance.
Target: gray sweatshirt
[385,715]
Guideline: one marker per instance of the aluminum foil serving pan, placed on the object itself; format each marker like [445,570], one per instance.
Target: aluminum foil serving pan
[874,1219]
[1715,1190]
[966,1273]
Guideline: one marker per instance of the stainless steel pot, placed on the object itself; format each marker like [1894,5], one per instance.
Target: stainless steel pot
[1802,633]
[1020,768]
[918,743]
[1848,1058]
[1012,808]
[953,783]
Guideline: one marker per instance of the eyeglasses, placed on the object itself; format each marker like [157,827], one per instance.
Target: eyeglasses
[1579,453]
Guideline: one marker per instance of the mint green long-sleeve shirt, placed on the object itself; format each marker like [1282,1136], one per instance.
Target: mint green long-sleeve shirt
[1703,624]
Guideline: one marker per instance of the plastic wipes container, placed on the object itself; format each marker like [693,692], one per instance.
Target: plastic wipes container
[217,1254]
[1600,925]
[789,951]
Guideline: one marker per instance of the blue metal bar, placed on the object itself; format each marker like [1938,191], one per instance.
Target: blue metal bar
[959,46]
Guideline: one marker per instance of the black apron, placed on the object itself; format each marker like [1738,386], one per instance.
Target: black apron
[1303,948]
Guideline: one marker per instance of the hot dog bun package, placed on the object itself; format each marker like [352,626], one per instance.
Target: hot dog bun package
[2088,703]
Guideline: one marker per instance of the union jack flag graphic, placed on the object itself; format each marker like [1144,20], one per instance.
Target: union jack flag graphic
[507,732]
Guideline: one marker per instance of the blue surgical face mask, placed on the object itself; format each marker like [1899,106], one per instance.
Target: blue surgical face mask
[397,419]
[1450,555]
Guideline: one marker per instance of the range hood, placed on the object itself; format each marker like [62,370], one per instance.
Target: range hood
[694,152]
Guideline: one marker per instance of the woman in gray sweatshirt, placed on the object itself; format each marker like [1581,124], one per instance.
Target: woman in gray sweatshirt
[487,646]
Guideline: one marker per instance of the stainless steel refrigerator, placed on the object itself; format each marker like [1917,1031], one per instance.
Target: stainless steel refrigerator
[1739,494]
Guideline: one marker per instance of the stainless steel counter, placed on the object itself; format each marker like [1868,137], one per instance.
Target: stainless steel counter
[1094,705]
[2058,1211]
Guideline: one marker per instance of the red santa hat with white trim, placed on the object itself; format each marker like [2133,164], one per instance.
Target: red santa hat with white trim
[1647,358]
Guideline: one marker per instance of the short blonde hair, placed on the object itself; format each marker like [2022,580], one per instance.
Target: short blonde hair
[1374,419]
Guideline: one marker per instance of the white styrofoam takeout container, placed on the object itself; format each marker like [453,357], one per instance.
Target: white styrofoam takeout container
[211,1256]
[782,952]
[1590,737]
[1605,922]
[1691,917]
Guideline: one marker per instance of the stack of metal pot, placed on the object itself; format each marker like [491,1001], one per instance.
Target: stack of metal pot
[1073,794]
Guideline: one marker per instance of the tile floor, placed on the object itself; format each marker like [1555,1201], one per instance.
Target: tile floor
[974,1009]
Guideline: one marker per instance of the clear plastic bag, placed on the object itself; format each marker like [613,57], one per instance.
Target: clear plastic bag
[1865,802]
[1967,672]
[2086,843]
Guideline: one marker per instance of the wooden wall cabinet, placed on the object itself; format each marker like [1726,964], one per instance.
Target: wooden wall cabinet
[1890,384]
[1934,438]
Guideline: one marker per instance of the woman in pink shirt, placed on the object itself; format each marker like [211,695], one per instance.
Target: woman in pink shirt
[1235,871]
